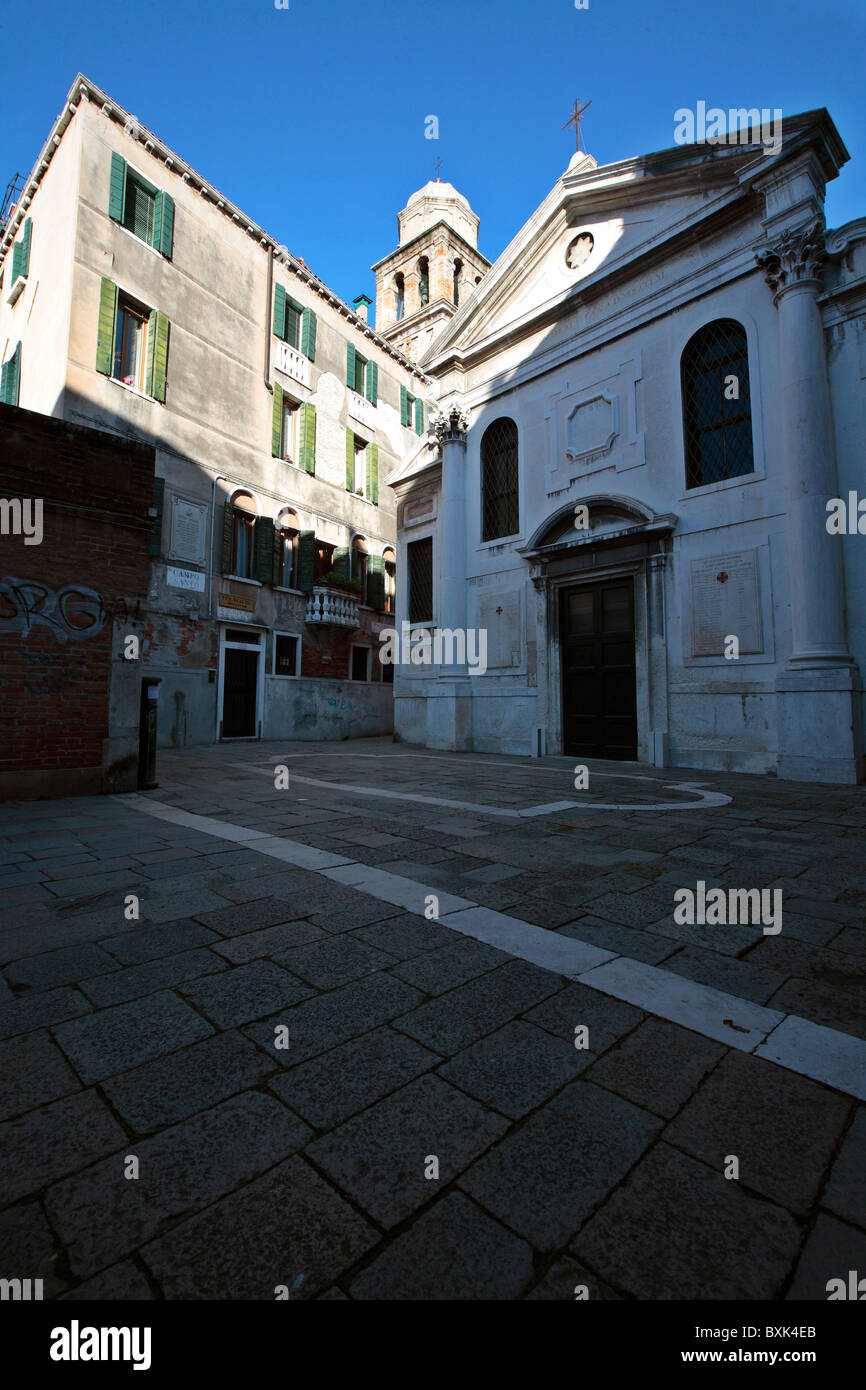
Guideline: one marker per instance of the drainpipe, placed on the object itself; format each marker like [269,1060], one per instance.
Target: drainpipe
[218,477]
[268,317]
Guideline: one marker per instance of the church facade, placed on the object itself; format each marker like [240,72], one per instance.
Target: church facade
[641,486]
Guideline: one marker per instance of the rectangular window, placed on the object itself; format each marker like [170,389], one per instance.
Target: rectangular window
[360,447]
[130,343]
[287,650]
[419,555]
[359,570]
[289,438]
[324,559]
[360,370]
[138,212]
[360,664]
[293,324]
[242,545]
[288,559]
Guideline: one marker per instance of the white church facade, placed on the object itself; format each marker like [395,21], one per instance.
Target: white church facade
[647,406]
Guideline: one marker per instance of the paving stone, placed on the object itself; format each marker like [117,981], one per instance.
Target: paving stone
[454,1251]
[542,912]
[333,962]
[405,936]
[379,1157]
[782,1127]
[120,880]
[515,1069]
[565,1277]
[322,1023]
[285,1225]
[607,1019]
[122,1283]
[171,905]
[462,959]
[114,1040]
[256,944]
[173,1087]
[845,1193]
[42,1145]
[544,1179]
[138,980]
[738,977]
[678,1230]
[456,1019]
[41,1010]
[363,913]
[831,1006]
[63,967]
[627,941]
[832,1250]
[248,917]
[27,894]
[101,1215]
[27,1246]
[330,1088]
[156,942]
[658,1066]
[245,993]
[33,1071]
[631,909]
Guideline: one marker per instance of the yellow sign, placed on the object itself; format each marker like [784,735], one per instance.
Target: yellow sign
[246,605]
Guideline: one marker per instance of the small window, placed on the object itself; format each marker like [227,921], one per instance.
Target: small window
[424,280]
[390,585]
[130,343]
[287,650]
[400,286]
[293,324]
[242,545]
[360,448]
[458,271]
[324,559]
[288,559]
[420,559]
[360,664]
[360,370]
[289,434]
[138,212]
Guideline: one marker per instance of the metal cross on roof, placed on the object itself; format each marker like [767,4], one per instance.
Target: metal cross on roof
[575,118]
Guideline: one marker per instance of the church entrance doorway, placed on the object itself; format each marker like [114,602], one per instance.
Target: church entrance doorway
[599,694]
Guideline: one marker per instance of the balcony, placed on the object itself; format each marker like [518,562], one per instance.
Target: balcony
[291,362]
[332,608]
[361,410]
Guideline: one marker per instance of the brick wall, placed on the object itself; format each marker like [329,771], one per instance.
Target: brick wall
[68,699]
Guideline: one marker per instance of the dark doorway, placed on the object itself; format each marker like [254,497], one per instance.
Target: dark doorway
[599,701]
[240,675]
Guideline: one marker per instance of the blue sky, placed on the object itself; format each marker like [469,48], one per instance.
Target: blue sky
[312,119]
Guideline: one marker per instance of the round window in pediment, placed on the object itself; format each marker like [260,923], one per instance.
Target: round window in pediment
[579,250]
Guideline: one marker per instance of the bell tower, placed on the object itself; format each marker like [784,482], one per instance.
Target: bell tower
[434,270]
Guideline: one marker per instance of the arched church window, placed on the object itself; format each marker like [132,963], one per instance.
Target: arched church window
[717,408]
[401,295]
[458,271]
[499,479]
[424,280]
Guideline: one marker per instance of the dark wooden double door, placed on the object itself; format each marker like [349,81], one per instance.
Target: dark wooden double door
[599,701]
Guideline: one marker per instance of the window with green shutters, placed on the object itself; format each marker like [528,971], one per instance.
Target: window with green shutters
[294,324]
[356,368]
[10,378]
[307,438]
[372,391]
[157,358]
[411,411]
[419,417]
[263,560]
[131,342]
[376,582]
[307,556]
[144,210]
[373,473]
[21,253]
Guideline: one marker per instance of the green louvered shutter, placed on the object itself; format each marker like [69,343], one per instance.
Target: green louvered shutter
[117,187]
[279,311]
[419,417]
[376,582]
[157,355]
[105,329]
[10,380]
[276,555]
[277,423]
[340,563]
[25,247]
[163,224]
[4,381]
[404,406]
[156,521]
[372,383]
[228,537]
[16,261]
[350,461]
[306,560]
[350,365]
[308,334]
[373,471]
[307,447]
[263,556]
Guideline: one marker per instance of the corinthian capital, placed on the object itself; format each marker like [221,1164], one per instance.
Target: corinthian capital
[450,423]
[797,255]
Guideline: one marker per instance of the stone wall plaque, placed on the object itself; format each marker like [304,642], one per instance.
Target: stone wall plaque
[187,530]
[500,615]
[725,602]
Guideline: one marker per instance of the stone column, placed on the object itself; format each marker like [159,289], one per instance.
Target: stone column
[819,692]
[657,659]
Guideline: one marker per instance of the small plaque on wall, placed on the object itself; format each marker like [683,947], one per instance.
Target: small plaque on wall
[187,530]
[725,602]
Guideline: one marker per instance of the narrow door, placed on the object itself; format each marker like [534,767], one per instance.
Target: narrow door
[598,665]
[240,674]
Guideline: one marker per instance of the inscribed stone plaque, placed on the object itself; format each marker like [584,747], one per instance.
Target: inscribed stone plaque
[187,530]
[499,614]
[725,602]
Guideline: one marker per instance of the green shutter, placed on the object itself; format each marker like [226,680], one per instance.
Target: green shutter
[277,423]
[105,329]
[373,472]
[25,255]
[163,224]
[340,563]
[279,311]
[117,187]
[404,406]
[306,560]
[376,582]
[372,383]
[10,378]
[156,522]
[419,417]
[21,252]
[228,537]
[307,447]
[350,461]
[308,334]
[276,555]
[157,355]
[350,365]
[263,555]
[16,261]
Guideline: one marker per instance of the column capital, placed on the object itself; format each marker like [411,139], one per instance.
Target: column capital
[450,424]
[795,258]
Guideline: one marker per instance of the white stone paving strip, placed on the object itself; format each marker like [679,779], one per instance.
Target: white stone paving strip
[824,1054]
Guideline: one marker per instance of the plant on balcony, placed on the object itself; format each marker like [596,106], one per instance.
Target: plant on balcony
[333,580]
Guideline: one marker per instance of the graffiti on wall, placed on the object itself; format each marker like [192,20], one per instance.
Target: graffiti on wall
[74,611]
